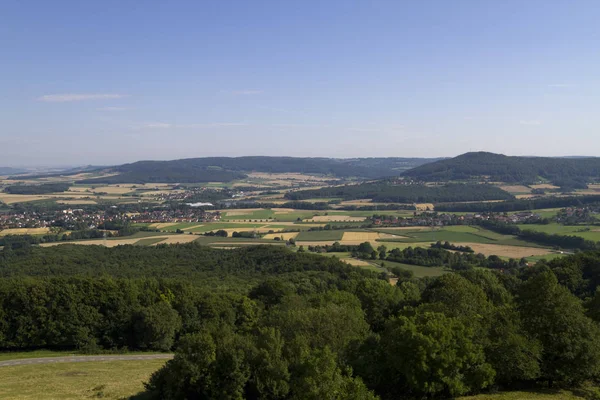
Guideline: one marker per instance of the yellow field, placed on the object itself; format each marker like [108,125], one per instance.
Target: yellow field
[241,211]
[24,231]
[331,218]
[285,235]
[525,196]
[189,228]
[98,242]
[424,206]
[506,251]
[360,236]
[288,176]
[177,239]
[112,189]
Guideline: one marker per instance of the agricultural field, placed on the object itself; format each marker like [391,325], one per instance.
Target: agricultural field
[586,232]
[24,231]
[101,379]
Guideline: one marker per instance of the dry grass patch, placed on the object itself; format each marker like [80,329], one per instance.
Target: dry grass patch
[189,228]
[98,242]
[525,196]
[24,231]
[111,189]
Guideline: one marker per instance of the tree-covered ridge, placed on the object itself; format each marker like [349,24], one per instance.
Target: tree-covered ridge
[567,172]
[387,191]
[37,189]
[224,169]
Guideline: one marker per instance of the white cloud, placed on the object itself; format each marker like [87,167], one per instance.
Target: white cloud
[111,109]
[66,97]
[532,122]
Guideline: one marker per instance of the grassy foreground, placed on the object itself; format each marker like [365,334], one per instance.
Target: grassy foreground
[104,379]
[590,393]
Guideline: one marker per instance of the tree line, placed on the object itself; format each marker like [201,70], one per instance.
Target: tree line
[521,205]
[265,322]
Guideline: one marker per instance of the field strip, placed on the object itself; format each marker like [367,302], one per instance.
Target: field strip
[507,251]
[24,231]
[285,235]
[189,228]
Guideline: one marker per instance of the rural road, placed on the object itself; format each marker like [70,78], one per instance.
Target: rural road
[70,359]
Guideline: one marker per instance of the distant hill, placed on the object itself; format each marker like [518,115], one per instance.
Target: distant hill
[224,169]
[11,171]
[564,172]
[386,191]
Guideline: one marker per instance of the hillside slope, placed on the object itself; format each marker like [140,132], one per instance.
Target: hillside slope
[569,172]
[224,169]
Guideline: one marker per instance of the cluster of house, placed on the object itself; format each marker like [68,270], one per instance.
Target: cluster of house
[443,219]
[577,215]
[82,219]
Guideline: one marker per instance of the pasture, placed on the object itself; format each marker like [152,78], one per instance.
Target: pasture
[102,379]
[586,232]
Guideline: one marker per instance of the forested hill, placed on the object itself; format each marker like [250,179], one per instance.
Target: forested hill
[224,169]
[498,167]
[386,191]
[11,171]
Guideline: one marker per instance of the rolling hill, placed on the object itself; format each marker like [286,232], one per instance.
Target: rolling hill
[225,169]
[564,172]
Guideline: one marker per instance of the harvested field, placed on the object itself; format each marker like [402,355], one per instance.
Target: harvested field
[507,251]
[18,198]
[525,196]
[285,235]
[284,210]
[189,228]
[243,211]
[76,201]
[515,188]
[162,225]
[315,243]
[360,236]
[111,189]
[424,206]
[336,218]
[98,242]
[406,228]
[178,239]
[24,231]
[543,186]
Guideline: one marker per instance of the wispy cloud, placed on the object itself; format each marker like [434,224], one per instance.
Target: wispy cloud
[531,122]
[66,97]
[111,109]
[561,85]
[157,125]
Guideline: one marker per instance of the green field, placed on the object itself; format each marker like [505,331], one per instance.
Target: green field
[584,393]
[18,355]
[319,235]
[571,230]
[258,214]
[103,379]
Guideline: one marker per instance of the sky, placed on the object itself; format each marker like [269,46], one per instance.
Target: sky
[107,82]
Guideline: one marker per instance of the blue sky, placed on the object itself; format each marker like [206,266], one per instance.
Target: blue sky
[103,82]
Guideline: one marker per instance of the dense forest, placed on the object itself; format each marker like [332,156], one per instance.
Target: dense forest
[564,172]
[521,205]
[44,188]
[267,323]
[386,191]
[224,169]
